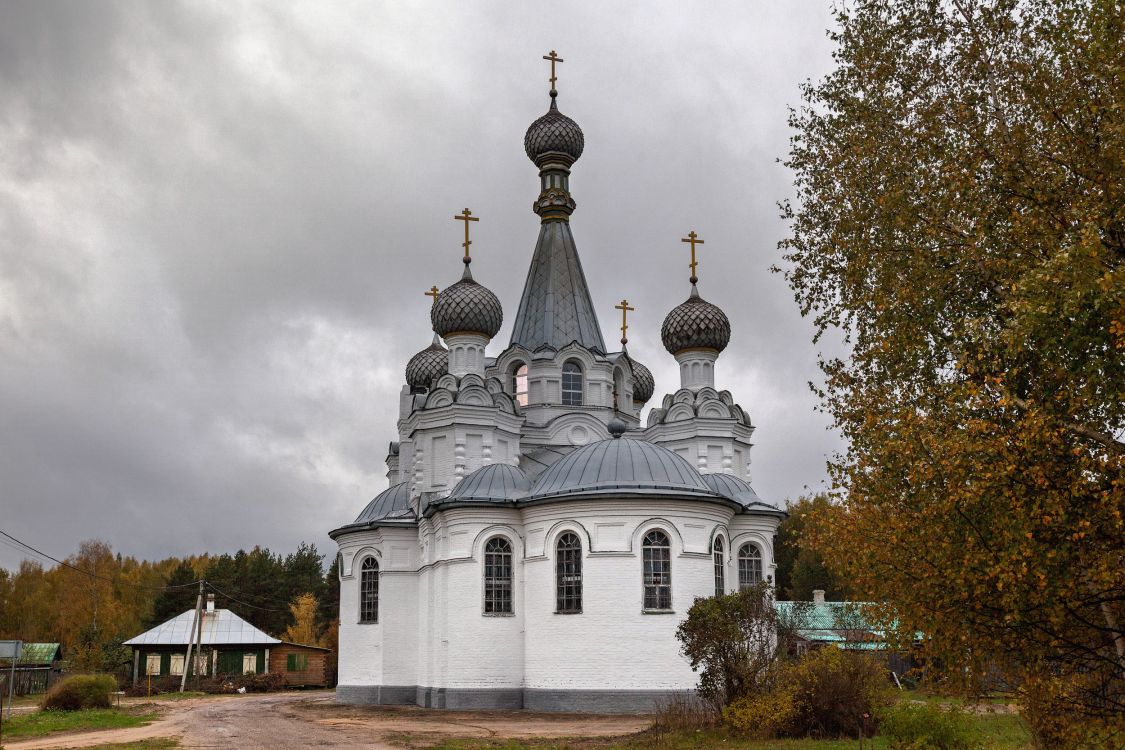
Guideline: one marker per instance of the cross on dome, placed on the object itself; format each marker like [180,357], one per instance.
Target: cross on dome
[466,216]
[554,58]
[433,292]
[625,309]
[693,238]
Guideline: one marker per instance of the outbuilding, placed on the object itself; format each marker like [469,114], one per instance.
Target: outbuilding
[230,647]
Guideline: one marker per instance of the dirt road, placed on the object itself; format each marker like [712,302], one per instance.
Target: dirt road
[281,721]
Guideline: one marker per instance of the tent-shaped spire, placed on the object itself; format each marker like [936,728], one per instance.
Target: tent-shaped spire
[555,308]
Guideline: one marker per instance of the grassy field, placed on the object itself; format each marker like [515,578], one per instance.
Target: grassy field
[41,723]
[993,732]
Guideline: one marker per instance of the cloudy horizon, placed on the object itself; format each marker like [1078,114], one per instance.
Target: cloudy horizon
[217,221]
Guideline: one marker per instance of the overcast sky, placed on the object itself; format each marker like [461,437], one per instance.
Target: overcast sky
[217,220]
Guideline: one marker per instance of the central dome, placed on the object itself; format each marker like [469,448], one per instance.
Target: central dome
[695,324]
[621,466]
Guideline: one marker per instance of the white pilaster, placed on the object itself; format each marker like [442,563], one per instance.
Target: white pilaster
[697,368]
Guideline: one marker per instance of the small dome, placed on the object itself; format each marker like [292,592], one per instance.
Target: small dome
[391,503]
[555,133]
[736,489]
[621,466]
[643,382]
[467,307]
[428,364]
[495,483]
[695,324]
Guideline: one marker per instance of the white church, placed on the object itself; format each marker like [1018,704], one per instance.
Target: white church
[538,545]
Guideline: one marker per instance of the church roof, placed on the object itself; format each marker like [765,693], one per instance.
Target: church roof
[740,491]
[555,308]
[393,502]
[621,465]
[495,483]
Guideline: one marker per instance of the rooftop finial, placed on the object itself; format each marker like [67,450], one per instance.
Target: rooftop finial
[625,309]
[554,58]
[433,292]
[693,238]
[466,216]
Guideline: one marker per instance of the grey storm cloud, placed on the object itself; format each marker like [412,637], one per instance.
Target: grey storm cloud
[217,221]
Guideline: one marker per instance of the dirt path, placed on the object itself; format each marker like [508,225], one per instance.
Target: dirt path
[282,721]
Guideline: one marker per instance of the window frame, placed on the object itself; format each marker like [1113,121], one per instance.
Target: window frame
[369,615]
[719,561]
[176,663]
[656,566]
[149,659]
[516,392]
[576,371]
[495,587]
[568,592]
[750,561]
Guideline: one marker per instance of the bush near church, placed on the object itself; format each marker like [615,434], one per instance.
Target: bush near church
[80,692]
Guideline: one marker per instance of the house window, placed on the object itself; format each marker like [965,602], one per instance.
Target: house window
[176,665]
[720,567]
[568,574]
[152,664]
[369,591]
[749,566]
[656,552]
[296,662]
[498,576]
[519,384]
[572,384]
[249,663]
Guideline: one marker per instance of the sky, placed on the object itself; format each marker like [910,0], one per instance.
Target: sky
[217,221]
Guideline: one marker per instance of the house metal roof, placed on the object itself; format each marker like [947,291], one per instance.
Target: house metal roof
[555,308]
[220,628]
[40,653]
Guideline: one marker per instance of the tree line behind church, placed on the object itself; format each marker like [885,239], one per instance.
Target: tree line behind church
[111,598]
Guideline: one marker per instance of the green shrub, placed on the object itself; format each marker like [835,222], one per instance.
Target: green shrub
[81,691]
[826,693]
[917,726]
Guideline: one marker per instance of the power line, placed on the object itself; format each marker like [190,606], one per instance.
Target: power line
[28,547]
[225,595]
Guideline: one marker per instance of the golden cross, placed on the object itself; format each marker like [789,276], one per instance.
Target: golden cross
[432,293]
[625,310]
[693,238]
[554,58]
[466,216]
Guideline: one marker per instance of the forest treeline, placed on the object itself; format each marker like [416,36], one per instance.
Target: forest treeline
[104,598]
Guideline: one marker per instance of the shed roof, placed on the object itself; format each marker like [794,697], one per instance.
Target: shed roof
[220,628]
[40,653]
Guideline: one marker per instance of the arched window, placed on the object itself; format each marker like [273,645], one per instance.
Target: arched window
[369,590]
[749,566]
[498,576]
[656,553]
[720,566]
[568,574]
[519,384]
[571,383]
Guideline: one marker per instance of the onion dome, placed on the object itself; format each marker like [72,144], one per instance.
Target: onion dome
[467,307]
[643,383]
[695,324]
[554,134]
[621,466]
[428,364]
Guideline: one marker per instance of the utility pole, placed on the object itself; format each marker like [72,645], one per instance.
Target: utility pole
[195,625]
[199,640]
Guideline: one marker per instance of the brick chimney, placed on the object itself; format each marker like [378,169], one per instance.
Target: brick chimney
[818,596]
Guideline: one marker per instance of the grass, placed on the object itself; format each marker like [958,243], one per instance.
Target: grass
[41,723]
[992,732]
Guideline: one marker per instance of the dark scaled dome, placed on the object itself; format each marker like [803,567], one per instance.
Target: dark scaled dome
[643,382]
[432,362]
[695,324]
[553,133]
[467,307]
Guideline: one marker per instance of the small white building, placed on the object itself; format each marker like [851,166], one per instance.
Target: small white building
[538,545]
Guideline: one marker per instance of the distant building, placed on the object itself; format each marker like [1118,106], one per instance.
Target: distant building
[230,646]
[39,666]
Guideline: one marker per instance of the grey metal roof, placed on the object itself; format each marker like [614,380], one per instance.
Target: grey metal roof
[553,133]
[495,483]
[220,627]
[467,307]
[618,465]
[555,308]
[393,502]
[738,490]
